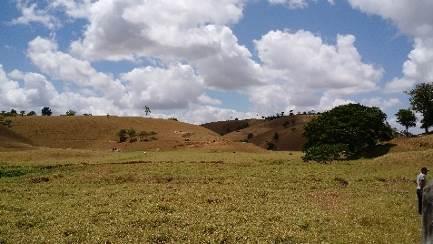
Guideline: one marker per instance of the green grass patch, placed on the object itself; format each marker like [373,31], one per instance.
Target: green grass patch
[7,172]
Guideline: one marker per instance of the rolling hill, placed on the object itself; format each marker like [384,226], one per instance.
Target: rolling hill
[99,133]
[282,134]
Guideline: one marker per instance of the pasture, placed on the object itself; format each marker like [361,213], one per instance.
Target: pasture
[81,196]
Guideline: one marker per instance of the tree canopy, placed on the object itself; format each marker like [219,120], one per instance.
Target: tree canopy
[407,118]
[421,99]
[46,111]
[345,131]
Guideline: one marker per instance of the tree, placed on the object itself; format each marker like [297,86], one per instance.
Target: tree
[22,113]
[406,118]
[421,99]
[46,111]
[349,130]
[147,110]
[70,113]
[31,113]
[13,112]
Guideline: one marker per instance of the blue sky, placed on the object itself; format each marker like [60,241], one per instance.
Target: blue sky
[213,60]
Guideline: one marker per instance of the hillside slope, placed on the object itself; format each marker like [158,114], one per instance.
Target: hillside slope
[283,134]
[418,143]
[82,132]
[226,127]
[10,140]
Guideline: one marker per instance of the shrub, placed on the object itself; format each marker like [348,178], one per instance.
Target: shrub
[174,119]
[250,136]
[276,136]
[131,132]
[31,113]
[270,146]
[71,113]
[123,135]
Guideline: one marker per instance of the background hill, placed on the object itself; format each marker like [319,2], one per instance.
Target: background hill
[92,132]
[282,134]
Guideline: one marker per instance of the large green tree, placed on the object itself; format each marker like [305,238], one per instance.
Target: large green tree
[347,131]
[421,99]
[407,118]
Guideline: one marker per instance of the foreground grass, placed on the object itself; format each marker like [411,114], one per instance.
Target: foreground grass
[58,196]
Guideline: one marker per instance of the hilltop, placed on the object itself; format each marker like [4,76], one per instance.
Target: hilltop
[99,133]
[282,134]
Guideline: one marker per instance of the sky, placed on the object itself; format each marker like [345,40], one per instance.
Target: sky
[210,60]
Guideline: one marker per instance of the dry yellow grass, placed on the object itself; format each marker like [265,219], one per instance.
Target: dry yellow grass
[197,193]
[290,131]
[79,196]
[419,143]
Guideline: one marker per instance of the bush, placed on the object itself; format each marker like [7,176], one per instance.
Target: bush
[326,153]
[71,113]
[131,133]
[123,135]
[270,146]
[276,136]
[31,113]
[250,136]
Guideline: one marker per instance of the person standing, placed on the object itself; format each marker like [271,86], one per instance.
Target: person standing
[420,184]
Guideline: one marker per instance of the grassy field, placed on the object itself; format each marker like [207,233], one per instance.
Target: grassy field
[78,196]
